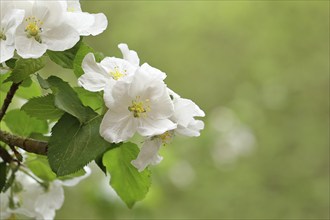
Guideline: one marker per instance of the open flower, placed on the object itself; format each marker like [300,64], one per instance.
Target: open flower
[141,105]
[184,112]
[99,75]
[85,23]
[10,19]
[44,27]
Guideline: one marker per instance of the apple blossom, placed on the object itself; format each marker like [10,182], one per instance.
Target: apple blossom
[141,105]
[32,198]
[44,28]
[98,75]
[10,19]
[184,112]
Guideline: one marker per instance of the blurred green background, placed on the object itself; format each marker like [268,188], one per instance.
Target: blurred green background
[260,71]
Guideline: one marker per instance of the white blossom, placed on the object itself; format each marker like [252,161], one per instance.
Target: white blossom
[10,19]
[141,105]
[44,28]
[85,23]
[27,197]
[184,112]
[99,75]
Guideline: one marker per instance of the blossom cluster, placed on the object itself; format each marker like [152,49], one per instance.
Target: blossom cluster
[33,27]
[139,102]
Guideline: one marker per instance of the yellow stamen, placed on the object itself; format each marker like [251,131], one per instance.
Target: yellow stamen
[2,36]
[166,137]
[139,108]
[116,75]
[71,9]
[33,28]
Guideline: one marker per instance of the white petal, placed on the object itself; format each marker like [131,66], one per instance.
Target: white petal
[153,71]
[129,55]
[161,106]
[6,51]
[173,94]
[80,21]
[148,154]
[107,96]
[192,130]
[95,77]
[9,22]
[29,47]
[117,127]
[151,127]
[185,110]
[74,6]
[48,202]
[146,85]
[100,24]
[60,38]
[111,64]
[51,13]
[116,97]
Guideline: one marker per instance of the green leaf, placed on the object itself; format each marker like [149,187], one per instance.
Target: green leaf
[67,100]
[81,53]
[3,175]
[22,124]
[43,83]
[99,163]
[39,136]
[23,92]
[79,173]
[130,184]
[40,167]
[84,49]
[42,108]
[73,145]
[24,68]
[11,63]
[91,99]
[65,58]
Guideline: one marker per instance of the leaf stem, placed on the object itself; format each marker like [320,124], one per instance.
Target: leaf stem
[27,144]
[8,99]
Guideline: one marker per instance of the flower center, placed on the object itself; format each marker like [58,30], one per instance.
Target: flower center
[116,74]
[139,108]
[33,28]
[2,34]
[166,137]
[71,9]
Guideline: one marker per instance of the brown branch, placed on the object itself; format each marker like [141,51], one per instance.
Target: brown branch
[9,97]
[27,144]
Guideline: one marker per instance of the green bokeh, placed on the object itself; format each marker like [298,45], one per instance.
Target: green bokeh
[260,70]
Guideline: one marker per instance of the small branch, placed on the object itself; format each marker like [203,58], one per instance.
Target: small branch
[5,155]
[18,156]
[9,97]
[27,144]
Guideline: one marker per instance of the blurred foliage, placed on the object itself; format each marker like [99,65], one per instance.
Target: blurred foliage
[260,70]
